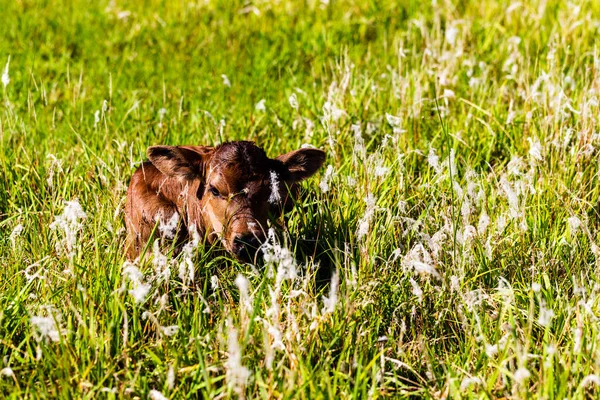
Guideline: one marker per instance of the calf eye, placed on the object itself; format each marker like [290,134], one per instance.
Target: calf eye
[213,190]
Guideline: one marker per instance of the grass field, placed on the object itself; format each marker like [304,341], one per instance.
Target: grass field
[449,248]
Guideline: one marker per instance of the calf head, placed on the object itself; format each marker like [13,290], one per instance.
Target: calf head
[234,186]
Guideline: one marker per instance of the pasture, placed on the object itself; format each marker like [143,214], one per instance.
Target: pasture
[449,247]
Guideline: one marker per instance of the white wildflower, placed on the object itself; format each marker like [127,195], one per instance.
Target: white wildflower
[168,229]
[416,290]
[365,222]
[156,395]
[5,77]
[245,298]
[331,112]
[450,35]
[47,328]
[260,106]
[419,260]
[521,375]
[69,223]
[491,350]
[434,160]
[214,282]
[469,381]
[454,283]
[275,196]
[381,171]
[590,379]
[293,99]
[16,232]
[187,271]
[546,315]
[237,375]
[7,371]
[577,339]
[330,302]
[448,94]
[170,330]
[171,377]
[139,290]
[160,262]
[574,224]
[96,118]
[276,255]
[484,222]
[226,80]
[535,149]
[395,122]
[324,184]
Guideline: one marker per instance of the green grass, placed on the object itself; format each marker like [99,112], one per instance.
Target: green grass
[432,301]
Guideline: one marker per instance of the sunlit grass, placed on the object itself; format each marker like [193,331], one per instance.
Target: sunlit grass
[447,249]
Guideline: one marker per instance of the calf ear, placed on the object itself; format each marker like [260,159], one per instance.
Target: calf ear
[303,163]
[180,161]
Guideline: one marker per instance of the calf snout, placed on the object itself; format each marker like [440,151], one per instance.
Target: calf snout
[245,246]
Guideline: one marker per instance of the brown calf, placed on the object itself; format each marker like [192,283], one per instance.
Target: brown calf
[224,192]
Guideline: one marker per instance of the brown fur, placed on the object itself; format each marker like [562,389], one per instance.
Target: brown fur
[224,191]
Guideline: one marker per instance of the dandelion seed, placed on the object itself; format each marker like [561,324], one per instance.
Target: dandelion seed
[260,106]
[5,77]
[7,371]
[275,196]
[293,99]
[226,80]
[156,395]
[324,184]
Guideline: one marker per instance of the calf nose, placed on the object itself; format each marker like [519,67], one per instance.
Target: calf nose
[246,246]
[249,240]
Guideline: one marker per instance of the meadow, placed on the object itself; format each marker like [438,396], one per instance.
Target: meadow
[449,248]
